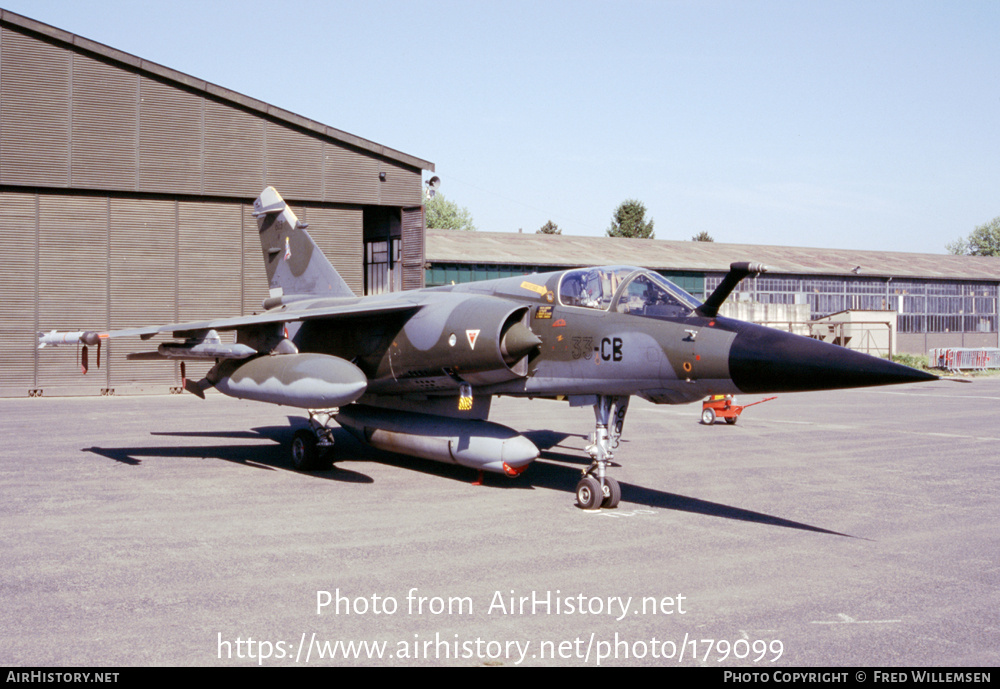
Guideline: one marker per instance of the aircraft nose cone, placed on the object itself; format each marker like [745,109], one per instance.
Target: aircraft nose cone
[763,359]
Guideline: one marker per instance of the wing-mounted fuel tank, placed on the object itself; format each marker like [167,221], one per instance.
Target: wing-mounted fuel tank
[478,340]
[308,381]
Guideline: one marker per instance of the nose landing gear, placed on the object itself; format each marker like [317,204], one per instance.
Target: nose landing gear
[596,489]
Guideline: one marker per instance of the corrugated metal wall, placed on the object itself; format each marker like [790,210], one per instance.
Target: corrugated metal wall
[327,227]
[34,112]
[70,120]
[72,247]
[142,282]
[18,274]
[171,141]
[127,199]
[210,259]
[105,126]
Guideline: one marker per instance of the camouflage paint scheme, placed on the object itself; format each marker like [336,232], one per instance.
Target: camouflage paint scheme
[414,372]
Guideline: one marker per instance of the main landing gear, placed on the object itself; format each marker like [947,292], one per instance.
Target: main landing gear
[312,449]
[596,489]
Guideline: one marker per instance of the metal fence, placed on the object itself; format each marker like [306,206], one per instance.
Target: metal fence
[956,359]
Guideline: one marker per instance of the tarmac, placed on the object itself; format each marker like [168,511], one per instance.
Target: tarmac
[843,529]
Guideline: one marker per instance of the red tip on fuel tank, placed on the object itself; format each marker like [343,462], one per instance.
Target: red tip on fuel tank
[511,471]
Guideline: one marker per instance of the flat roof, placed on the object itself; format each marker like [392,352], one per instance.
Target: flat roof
[513,248]
[193,83]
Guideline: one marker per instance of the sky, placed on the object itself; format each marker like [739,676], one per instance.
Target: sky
[840,124]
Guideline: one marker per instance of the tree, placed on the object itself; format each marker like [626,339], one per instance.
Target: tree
[982,241]
[629,220]
[702,237]
[549,228]
[442,214]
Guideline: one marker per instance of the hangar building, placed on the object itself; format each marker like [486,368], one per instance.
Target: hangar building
[935,300]
[126,190]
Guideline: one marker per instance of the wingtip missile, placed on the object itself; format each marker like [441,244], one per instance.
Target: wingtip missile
[56,338]
[84,337]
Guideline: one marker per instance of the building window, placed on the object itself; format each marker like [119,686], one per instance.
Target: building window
[923,306]
[383,272]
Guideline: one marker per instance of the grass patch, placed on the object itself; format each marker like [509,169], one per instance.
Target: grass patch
[917,361]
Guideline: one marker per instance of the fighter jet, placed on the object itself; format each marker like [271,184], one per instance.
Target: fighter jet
[415,372]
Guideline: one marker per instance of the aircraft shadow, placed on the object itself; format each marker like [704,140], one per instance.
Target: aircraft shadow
[549,471]
[273,455]
[261,456]
[545,440]
[556,477]
[546,474]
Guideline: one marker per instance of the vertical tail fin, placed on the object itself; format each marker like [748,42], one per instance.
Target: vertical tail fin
[295,265]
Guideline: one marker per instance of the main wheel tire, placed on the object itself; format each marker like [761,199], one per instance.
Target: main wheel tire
[612,493]
[305,453]
[708,416]
[589,494]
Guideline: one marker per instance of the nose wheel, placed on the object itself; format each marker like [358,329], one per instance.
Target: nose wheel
[592,495]
[596,489]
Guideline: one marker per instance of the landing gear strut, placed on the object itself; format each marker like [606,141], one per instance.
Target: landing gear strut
[596,489]
[312,449]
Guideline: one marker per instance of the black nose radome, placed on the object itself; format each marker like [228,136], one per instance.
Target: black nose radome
[767,360]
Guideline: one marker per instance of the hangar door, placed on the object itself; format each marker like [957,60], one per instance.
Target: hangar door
[76,262]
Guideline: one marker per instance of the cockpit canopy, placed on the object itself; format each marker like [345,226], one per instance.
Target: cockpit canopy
[626,289]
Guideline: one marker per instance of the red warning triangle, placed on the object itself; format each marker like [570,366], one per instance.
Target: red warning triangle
[473,335]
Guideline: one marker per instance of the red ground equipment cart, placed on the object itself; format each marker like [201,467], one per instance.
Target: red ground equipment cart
[723,407]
